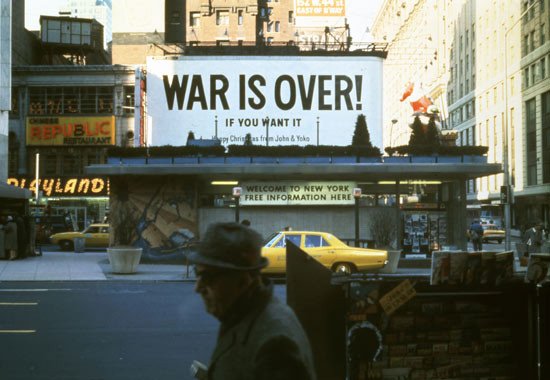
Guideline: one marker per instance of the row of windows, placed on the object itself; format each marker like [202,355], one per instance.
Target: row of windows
[72,100]
[530,42]
[535,72]
[222,17]
[461,114]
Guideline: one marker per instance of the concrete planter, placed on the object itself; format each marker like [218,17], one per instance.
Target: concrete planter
[423,159]
[393,262]
[397,160]
[370,160]
[124,259]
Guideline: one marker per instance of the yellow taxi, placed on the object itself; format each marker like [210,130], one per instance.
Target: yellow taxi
[492,232]
[325,248]
[95,236]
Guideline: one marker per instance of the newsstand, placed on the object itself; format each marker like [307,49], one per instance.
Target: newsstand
[405,326]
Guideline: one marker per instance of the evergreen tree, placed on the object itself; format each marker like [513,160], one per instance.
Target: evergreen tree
[432,134]
[190,136]
[417,135]
[361,136]
[248,140]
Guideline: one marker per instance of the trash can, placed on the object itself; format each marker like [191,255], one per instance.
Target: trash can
[79,244]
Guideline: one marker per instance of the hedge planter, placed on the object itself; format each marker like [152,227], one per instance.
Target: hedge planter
[344,159]
[123,259]
[449,159]
[370,160]
[159,160]
[318,160]
[211,160]
[264,160]
[237,160]
[133,160]
[423,159]
[397,160]
[186,160]
[468,159]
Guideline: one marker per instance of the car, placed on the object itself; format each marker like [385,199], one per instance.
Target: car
[325,248]
[492,232]
[96,235]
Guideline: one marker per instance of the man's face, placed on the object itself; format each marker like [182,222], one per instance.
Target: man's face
[218,288]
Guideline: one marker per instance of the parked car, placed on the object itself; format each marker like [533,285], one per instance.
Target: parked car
[95,236]
[325,248]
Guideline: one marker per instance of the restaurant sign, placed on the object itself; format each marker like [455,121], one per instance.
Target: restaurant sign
[65,186]
[71,131]
[297,193]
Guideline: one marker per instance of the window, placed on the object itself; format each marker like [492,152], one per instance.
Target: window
[222,17]
[105,100]
[526,77]
[14,112]
[37,100]
[532,41]
[532,72]
[525,49]
[195,19]
[315,241]
[70,164]
[240,16]
[545,104]
[543,68]
[269,26]
[269,40]
[88,100]
[129,101]
[70,100]
[49,164]
[277,26]
[291,17]
[175,18]
[542,35]
[263,12]
[269,11]
[531,142]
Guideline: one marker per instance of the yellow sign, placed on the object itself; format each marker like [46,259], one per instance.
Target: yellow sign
[71,131]
[68,186]
[397,297]
[322,8]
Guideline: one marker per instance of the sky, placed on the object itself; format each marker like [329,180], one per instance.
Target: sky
[361,14]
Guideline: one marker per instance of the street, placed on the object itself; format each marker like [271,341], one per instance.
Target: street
[103,330]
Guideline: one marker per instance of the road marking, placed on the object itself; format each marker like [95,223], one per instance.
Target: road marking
[18,303]
[17,331]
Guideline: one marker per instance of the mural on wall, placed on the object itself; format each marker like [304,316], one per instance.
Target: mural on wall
[165,214]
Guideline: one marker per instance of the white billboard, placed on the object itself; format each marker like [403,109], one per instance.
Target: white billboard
[279,100]
[286,193]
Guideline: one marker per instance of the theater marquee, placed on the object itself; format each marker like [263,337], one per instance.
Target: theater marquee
[71,131]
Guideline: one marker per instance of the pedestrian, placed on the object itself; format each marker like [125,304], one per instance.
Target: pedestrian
[10,238]
[533,238]
[259,336]
[246,222]
[476,235]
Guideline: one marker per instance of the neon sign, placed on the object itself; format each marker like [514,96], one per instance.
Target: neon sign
[67,186]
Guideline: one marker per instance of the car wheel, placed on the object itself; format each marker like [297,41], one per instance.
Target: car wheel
[66,245]
[345,268]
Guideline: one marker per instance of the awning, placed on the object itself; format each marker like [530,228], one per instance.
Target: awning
[9,191]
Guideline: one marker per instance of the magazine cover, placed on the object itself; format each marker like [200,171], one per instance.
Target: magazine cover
[504,267]
[537,268]
[473,269]
[441,263]
[459,261]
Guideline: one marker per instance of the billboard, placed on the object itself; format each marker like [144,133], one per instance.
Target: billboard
[71,131]
[279,100]
[283,193]
[320,8]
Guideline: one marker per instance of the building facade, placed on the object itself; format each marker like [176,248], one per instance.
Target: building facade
[485,65]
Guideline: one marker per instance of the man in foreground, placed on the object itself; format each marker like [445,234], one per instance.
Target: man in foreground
[259,337]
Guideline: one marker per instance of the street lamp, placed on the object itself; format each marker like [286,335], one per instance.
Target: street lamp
[393,122]
[357,196]
[237,191]
[507,185]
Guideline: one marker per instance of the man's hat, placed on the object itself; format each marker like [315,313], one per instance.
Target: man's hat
[230,246]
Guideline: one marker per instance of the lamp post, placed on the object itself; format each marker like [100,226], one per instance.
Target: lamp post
[393,122]
[357,196]
[237,195]
[505,161]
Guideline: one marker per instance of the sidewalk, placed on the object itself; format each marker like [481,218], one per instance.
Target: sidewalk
[85,266]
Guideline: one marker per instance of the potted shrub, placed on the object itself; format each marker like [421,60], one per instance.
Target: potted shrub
[383,228]
[123,256]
